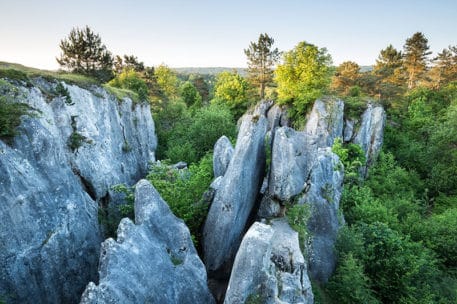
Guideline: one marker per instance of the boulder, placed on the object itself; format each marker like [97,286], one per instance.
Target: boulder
[52,177]
[326,121]
[269,267]
[223,153]
[236,195]
[323,197]
[152,261]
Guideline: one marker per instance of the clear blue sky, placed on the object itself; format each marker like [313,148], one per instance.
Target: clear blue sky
[214,33]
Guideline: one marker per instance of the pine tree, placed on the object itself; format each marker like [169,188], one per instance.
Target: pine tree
[261,59]
[346,76]
[415,59]
[84,53]
[445,68]
[389,73]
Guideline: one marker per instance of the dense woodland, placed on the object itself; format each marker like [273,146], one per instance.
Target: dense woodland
[399,244]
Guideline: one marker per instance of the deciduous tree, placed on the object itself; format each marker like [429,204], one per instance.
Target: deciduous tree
[303,76]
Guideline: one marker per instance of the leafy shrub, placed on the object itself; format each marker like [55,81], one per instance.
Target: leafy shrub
[298,216]
[183,190]
[191,137]
[131,80]
[352,157]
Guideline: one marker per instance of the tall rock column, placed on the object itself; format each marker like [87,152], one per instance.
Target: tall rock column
[236,195]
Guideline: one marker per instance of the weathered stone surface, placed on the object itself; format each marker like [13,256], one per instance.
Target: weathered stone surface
[223,153]
[293,154]
[270,267]
[323,197]
[348,132]
[326,121]
[237,193]
[370,135]
[152,261]
[277,117]
[49,232]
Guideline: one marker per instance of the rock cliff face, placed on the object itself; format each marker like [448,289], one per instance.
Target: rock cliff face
[60,166]
[152,261]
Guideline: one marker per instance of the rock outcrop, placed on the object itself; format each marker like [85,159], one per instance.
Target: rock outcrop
[323,197]
[370,134]
[223,153]
[62,163]
[269,267]
[304,170]
[152,261]
[236,195]
[326,121]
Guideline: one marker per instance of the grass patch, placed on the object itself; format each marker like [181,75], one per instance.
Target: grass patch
[122,93]
[16,71]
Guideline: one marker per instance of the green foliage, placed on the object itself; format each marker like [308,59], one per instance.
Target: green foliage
[303,76]
[189,136]
[76,140]
[10,117]
[190,95]
[352,157]
[84,53]
[14,74]
[350,284]
[439,232]
[167,81]
[298,216]
[127,209]
[129,79]
[254,299]
[183,190]
[231,90]
[63,92]
[396,269]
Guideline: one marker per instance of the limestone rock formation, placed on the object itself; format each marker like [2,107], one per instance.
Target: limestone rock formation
[223,152]
[323,197]
[326,121]
[236,195]
[152,261]
[293,155]
[269,267]
[370,134]
[64,161]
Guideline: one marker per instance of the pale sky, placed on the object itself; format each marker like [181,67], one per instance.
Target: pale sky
[204,33]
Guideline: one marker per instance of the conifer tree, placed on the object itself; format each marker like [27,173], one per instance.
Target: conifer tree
[84,53]
[445,68]
[415,59]
[261,59]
